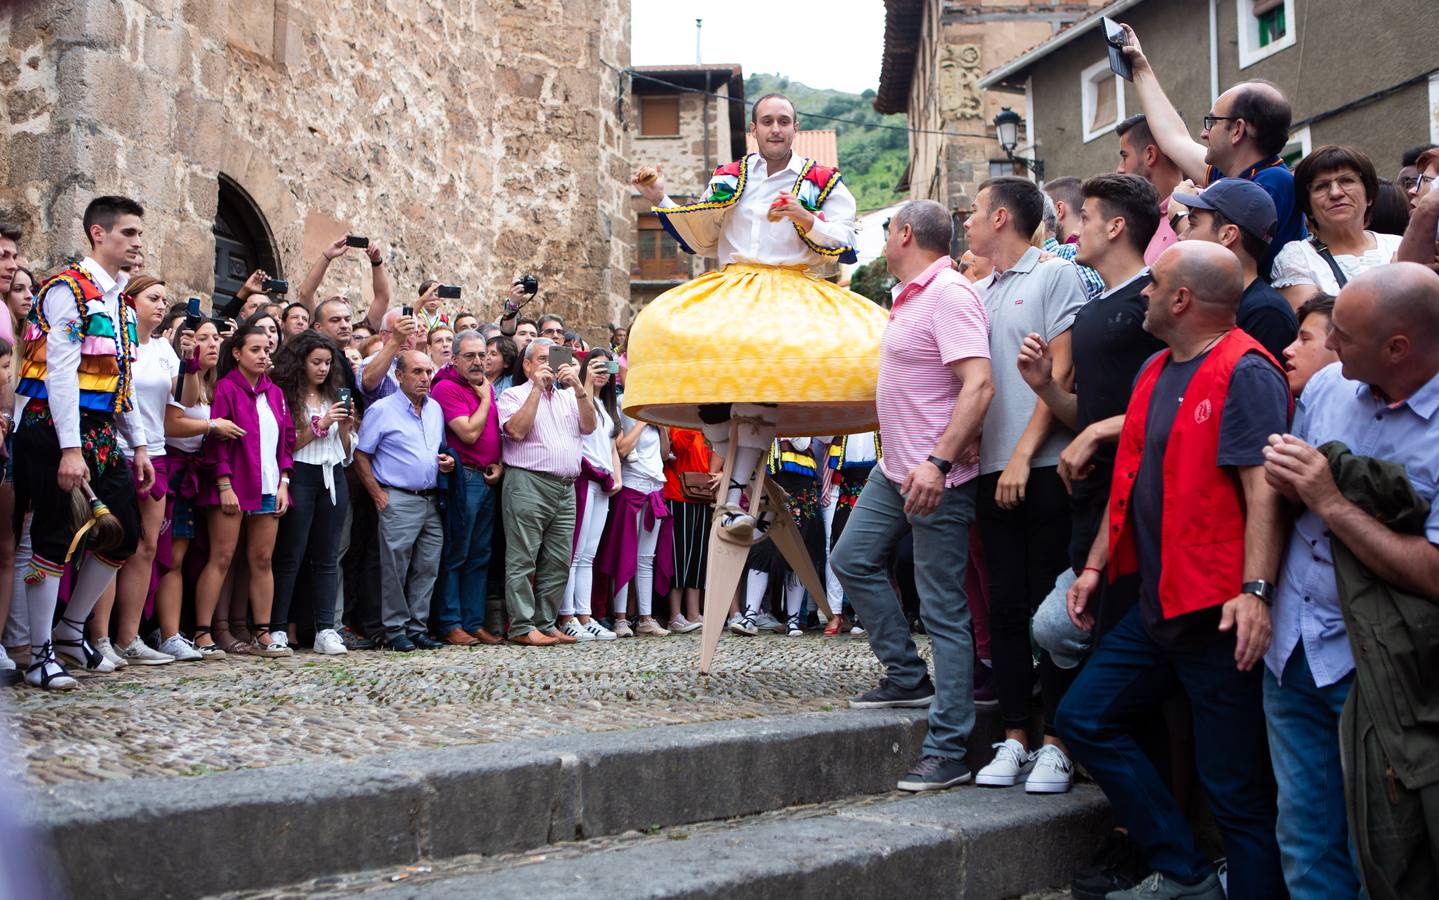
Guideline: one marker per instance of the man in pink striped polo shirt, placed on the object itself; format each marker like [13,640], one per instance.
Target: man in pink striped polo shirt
[934,389]
[541,424]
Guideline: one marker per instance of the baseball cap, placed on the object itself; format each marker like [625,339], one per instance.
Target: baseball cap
[1242,202]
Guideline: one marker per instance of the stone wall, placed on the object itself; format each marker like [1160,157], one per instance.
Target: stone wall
[476,141]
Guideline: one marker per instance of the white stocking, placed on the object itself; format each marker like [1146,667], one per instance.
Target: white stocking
[756,586]
[91,581]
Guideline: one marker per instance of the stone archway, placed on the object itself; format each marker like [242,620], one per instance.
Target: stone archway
[243,242]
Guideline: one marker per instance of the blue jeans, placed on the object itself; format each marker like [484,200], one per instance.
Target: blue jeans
[1126,680]
[1304,747]
[941,554]
[465,564]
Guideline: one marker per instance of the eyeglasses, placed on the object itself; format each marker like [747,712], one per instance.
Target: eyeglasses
[885,226]
[1423,180]
[555,332]
[1209,121]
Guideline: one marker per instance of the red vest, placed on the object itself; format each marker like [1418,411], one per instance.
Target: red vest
[1202,525]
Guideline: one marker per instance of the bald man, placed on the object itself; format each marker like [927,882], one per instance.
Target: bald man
[1191,513]
[1242,137]
[1382,401]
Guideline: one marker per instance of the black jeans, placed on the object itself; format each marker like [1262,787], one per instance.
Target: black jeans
[1026,548]
[362,564]
[312,524]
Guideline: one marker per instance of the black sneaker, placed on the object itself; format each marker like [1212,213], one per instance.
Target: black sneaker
[425,642]
[889,695]
[355,641]
[400,644]
[934,773]
[1117,866]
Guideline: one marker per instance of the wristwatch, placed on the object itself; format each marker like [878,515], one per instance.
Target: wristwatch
[943,465]
[1261,589]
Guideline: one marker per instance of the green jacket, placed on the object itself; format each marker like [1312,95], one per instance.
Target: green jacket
[1394,634]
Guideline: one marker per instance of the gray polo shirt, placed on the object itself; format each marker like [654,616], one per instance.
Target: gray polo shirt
[1030,296]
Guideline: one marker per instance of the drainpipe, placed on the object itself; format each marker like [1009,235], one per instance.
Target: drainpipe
[709,163]
[1213,50]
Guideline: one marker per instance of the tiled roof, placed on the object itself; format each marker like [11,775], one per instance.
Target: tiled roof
[820,146]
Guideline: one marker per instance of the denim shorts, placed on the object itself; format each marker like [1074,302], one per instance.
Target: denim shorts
[267,507]
[182,520]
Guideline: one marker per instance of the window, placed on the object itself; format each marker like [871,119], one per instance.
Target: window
[1101,100]
[1265,28]
[658,256]
[1298,147]
[1001,167]
[659,116]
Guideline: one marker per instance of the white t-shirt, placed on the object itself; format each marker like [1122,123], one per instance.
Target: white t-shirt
[153,374]
[596,445]
[199,411]
[269,446]
[643,470]
[1300,263]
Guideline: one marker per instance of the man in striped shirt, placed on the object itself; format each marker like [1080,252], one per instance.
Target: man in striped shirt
[541,426]
[934,389]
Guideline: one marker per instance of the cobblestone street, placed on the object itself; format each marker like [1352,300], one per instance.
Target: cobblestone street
[243,712]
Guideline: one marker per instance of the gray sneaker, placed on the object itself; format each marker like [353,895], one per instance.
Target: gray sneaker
[107,650]
[935,773]
[1159,887]
[766,622]
[179,647]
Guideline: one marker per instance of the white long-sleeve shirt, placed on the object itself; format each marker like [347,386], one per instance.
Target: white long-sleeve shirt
[62,355]
[749,237]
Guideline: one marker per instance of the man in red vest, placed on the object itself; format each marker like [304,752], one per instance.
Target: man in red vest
[1191,513]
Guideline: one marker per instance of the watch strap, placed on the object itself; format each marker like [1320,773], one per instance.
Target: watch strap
[943,465]
[1264,590]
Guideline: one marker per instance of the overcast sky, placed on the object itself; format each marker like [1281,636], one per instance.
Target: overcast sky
[822,43]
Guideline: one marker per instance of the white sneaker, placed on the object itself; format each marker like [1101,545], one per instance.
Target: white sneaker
[329,642]
[651,628]
[1011,762]
[107,650]
[1053,773]
[743,623]
[766,622]
[622,628]
[598,631]
[6,663]
[140,654]
[280,639]
[179,647]
[574,629]
[681,625]
[857,630]
[793,627]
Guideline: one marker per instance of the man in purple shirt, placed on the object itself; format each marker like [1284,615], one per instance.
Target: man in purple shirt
[399,458]
[541,424]
[473,425]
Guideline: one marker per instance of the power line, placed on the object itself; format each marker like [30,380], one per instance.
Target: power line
[807,115]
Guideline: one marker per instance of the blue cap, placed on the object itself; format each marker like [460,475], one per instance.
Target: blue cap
[1242,202]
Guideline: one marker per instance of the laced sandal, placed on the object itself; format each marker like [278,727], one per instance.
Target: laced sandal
[81,652]
[271,649]
[210,651]
[46,672]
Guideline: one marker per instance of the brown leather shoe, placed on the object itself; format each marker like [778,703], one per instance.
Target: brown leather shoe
[534,639]
[560,637]
[482,636]
[460,637]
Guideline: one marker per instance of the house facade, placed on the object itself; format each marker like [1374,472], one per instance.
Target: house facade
[1361,74]
[935,53]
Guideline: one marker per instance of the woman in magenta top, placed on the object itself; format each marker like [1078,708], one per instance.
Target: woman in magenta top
[248,484]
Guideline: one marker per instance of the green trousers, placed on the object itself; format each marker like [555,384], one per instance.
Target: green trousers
[539,539]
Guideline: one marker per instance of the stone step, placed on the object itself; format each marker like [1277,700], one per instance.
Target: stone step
[965,842]
[184,837]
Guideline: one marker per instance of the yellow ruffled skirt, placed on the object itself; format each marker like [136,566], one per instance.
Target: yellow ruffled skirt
[757,334]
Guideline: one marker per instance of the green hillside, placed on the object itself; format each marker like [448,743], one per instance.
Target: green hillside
[873,159]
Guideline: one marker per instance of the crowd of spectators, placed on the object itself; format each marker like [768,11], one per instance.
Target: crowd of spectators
[1189,409]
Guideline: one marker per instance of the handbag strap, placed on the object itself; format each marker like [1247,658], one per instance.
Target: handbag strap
[1324,254]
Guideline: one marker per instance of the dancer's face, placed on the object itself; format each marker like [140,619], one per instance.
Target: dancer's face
[775,126]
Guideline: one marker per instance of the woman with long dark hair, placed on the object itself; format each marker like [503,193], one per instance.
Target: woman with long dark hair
[249,486]
[307,370]
[599,481]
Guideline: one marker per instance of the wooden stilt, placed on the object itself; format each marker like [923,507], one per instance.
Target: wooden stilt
[725,567]
[784,531]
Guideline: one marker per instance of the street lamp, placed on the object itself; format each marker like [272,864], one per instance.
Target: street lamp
[1006,127]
